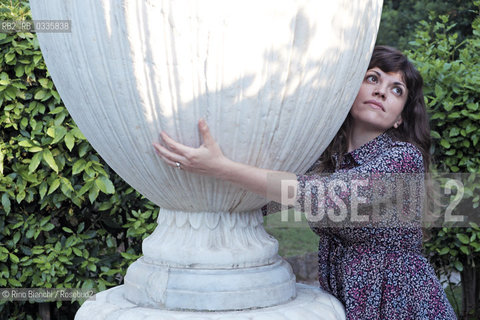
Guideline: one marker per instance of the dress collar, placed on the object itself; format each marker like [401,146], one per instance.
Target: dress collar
[367,151]
[372,148]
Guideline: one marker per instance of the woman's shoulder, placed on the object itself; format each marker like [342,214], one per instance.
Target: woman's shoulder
[403,156]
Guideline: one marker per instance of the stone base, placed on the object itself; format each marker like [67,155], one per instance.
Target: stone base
[310,303]
[162,287]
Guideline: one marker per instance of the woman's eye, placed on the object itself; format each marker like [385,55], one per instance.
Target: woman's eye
[371,78]
[398,91]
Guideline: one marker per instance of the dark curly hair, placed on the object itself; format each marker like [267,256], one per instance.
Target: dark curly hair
[415,127]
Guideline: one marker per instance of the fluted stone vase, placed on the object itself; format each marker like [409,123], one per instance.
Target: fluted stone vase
[274,80]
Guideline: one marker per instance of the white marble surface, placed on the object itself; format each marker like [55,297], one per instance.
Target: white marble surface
[310,304]
[173,288]
[273,78]
[209,261]
[216,240]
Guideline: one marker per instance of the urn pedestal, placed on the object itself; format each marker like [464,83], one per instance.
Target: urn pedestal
[274,80]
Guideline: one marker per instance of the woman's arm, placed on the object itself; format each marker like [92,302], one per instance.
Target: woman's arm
[208,159]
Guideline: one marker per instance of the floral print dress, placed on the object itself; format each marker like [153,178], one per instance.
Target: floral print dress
[371,259]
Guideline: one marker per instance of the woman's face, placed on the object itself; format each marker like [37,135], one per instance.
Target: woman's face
[380,101]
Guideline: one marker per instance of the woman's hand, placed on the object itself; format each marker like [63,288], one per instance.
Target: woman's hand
[207,159]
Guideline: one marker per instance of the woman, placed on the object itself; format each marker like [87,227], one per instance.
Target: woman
[374,266]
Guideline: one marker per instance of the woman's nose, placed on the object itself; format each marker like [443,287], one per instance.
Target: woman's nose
[379,92]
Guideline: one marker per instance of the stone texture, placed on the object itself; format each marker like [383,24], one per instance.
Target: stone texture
[274,80]
[310,304]
[174,288]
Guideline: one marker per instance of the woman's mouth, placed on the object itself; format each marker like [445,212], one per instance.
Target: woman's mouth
[375,104]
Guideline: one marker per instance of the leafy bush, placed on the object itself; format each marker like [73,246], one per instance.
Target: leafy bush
[400,19]
[451,71]
[66,219]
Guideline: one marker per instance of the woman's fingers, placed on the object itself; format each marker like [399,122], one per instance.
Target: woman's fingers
[173,145]
[203,160]
[171,163]
[168,156]
[205,132]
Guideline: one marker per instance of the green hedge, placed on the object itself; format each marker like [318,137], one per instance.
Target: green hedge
[400,19]
[451,71]
[66,219]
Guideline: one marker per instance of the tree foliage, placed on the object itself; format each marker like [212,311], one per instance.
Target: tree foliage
[451,71]
[400,19]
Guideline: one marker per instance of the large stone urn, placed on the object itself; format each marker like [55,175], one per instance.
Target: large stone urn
[274,79]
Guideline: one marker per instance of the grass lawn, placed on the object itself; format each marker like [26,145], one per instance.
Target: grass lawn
[294,235]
